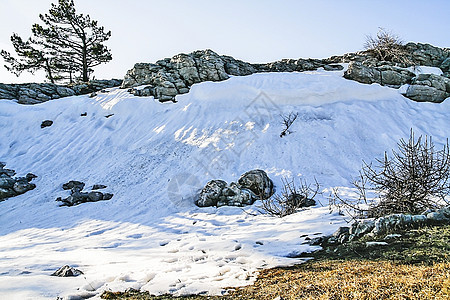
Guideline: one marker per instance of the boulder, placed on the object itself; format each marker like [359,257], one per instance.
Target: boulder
[73,185]
[385,74]
[211,194]
[429,87]
[46,123]
[258,182]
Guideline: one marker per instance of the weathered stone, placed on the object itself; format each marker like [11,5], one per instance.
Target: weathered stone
[211,194]
[46,123]
[98,187]
[73,185]
[429,87]
[67,271]
[95,196]
[34,93]
[384,75]
[107,196]
[258,182]
[7,182]
[6,193]
[23,186]
[7,172]
[30,176]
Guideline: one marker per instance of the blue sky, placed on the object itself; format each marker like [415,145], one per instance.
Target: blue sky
[255,31]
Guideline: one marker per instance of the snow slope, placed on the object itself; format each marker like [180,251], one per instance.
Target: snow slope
[154,157]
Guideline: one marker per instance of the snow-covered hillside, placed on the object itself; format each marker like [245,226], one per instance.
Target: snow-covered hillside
[154,157]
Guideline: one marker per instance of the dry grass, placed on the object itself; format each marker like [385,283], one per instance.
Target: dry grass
[415,266]
[351,279]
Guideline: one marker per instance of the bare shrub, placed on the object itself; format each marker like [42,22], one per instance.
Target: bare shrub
[414,179]
[291,199]
[288,120]
[387,46]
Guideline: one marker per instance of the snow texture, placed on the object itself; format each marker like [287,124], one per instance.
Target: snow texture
[155,157]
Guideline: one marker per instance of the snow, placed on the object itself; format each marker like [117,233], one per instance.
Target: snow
[154,157]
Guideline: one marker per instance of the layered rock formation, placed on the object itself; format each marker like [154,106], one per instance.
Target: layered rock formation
[34,93]
[170,77]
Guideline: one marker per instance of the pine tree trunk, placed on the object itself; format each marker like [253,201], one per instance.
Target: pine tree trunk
[49,72]
[85,66]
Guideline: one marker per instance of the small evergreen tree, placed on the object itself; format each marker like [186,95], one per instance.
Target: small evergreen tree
[66,45]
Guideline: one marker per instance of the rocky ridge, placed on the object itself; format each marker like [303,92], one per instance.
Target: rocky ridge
[35,93]
[170,77]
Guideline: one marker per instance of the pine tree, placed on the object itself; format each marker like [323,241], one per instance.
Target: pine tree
[67,43]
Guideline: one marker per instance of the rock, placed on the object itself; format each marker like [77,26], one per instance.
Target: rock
[333,67]
[258,182]
[73,185]
[95,196]
[7,182]
[363,74]
[429,87]
[67,271]
[34,93]
[107,196]
[30,176]
[234,196]
[359,229]
[98,187]
[445,65]
[385,75]
[46,123]
[6,193]
[23,186]
[437,217]
[7,172]
[426,54]
[211,194]
[77,196]
[84,114]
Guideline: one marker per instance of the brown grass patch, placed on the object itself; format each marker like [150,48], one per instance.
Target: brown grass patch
[351,279]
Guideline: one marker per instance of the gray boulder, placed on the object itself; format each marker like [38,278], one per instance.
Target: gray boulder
[385,74]
[429,87]
[258,182]
[211,194]
[77,196]
[13,186]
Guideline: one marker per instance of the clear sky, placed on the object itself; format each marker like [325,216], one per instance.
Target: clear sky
[252,30]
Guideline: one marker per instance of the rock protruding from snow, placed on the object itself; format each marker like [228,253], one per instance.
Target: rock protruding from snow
[13,186]
[429,87]
[34,93]
[46,123]
[384,225]
[170,77]
[258,182]
[385,75]
[67,271]
[77,196]
[251,186]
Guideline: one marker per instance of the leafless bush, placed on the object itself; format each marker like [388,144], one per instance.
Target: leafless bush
[415,178]
[287,122]
[387,46]
[291,198]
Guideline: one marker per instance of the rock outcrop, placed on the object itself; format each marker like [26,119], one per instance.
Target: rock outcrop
[429,87]
[384,225]
[251,186]
[11,186]
[34,93]
[170,77]
[77,196]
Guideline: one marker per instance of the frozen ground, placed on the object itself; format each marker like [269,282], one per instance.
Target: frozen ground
[154,157]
